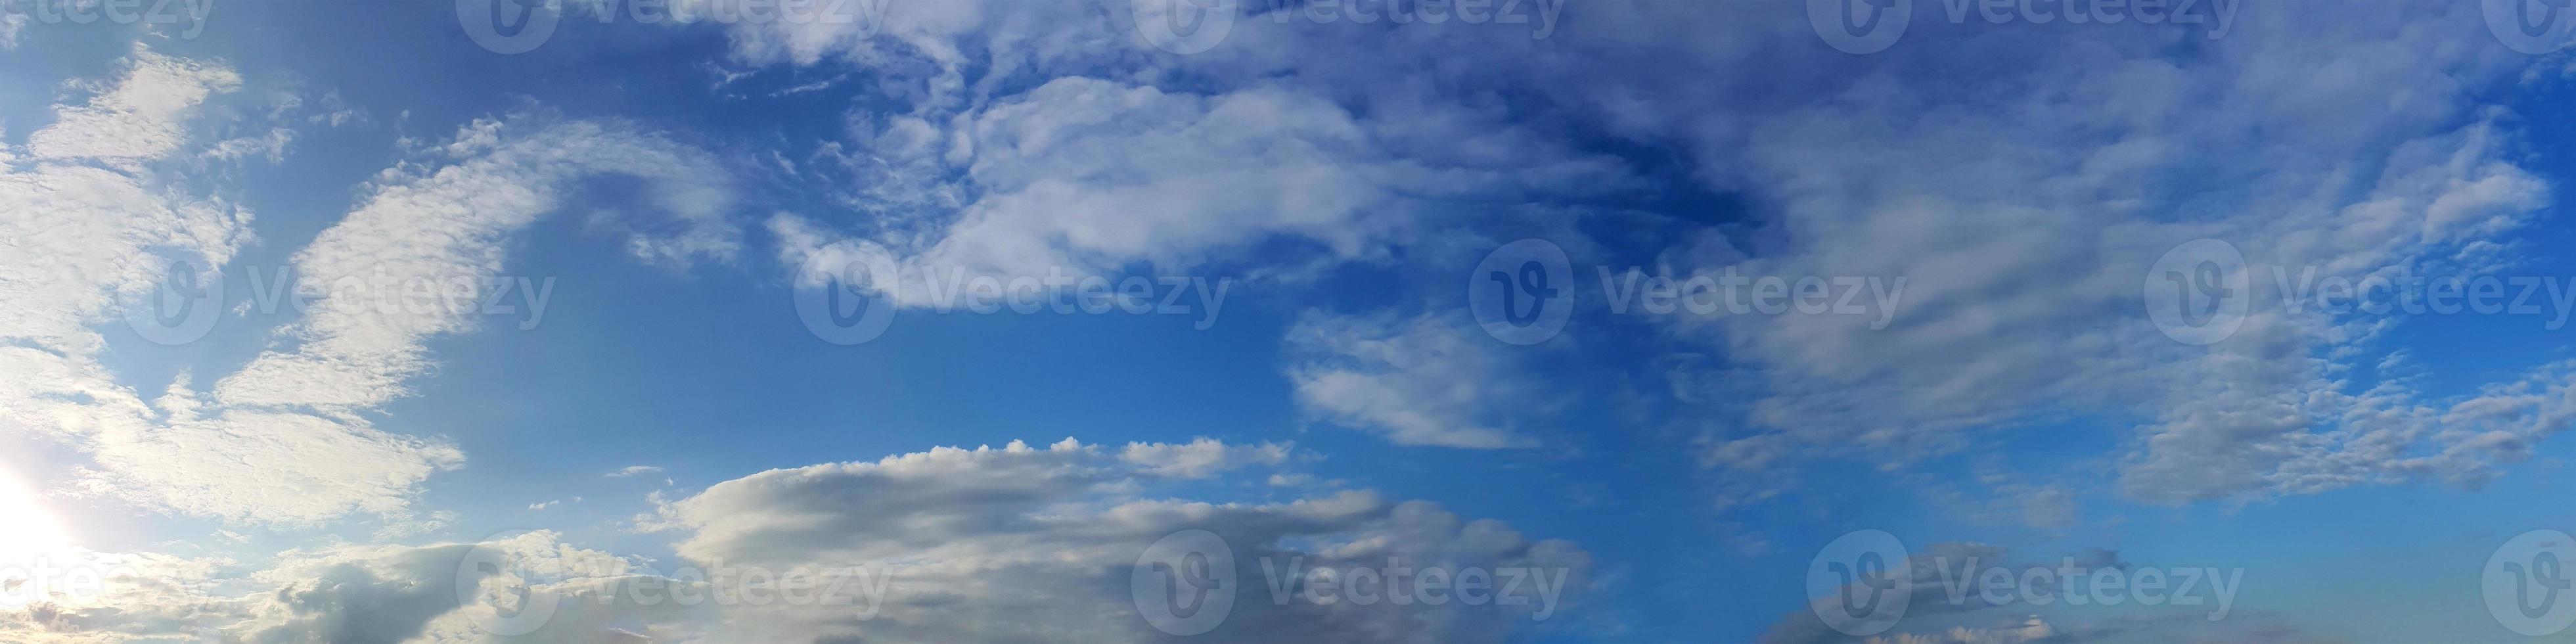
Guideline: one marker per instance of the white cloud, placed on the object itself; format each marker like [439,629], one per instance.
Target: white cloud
[1200,458]
[450,222]
[1093,176]
[1021,542]
[2025,204]
[1016,543]
[142,117]
[97,223]
[1429,380]
[92,230]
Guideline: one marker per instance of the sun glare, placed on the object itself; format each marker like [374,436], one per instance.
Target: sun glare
[27,528]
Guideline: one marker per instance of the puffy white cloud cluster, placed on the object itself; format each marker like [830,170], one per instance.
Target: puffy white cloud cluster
[1031,543]
[1012,543]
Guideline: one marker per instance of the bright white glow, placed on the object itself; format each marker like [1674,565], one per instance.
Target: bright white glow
[27,528]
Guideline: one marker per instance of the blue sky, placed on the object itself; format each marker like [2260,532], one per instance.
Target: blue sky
[1992,195]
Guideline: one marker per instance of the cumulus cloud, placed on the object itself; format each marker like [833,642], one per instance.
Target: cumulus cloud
[1016,543]
[1201,458]
[1023,542]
